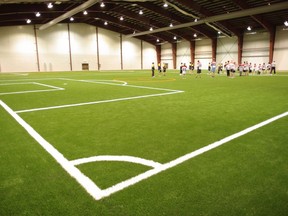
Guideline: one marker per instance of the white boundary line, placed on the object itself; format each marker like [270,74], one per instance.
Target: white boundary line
[92,188]
[54,88]
[94,102]
[83,180]
[173,163]
[170,91]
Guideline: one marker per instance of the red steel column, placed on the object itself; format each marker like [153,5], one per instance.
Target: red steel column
[192,51]
[214,48]
[158,51]
[174,54]
[240,48]
[271,45]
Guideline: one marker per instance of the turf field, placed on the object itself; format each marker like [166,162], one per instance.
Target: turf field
[123,143]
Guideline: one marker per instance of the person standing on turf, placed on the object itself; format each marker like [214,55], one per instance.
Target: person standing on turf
[213,67]
[153,69]
[273,67]
[199,68]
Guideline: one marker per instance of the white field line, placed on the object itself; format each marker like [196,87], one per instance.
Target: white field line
[122,158]
[92,188]
[173,163]
[94,102]
[49,86]
[126,85]
[170,91]
[83,180]
[53,88]
[20,83]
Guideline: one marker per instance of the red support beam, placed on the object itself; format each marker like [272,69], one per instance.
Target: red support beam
[158,52]
[192,51]
[240,48]
[271,45]
[214,48]
[174,54]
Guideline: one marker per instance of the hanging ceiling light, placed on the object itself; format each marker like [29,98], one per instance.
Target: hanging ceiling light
[140,12]
[28,21]
[286,23]
[85,12]
[195,35]
[105,23]
[102,4]
[71,19]
[165,4]
[121,18]
[151,29]
[171,25]
[50,5]
[249,28]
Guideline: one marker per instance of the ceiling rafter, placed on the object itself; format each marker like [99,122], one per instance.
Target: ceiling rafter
[261,20]
[176,19]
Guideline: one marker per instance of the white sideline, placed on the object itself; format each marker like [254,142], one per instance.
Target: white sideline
[122,158]
[173,163]
[54,88]
[95,102]
[83,180]
[92,188]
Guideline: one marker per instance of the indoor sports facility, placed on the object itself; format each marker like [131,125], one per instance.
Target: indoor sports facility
[144,107]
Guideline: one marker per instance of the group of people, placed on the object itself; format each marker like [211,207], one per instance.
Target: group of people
[159,68]
[230,67]
[247,68]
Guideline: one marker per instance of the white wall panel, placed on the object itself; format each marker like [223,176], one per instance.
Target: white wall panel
[83,46]
[281,49]
[203,52]
[183,53]
[149,55]
[17,49]
[256,48]
[109,50]
[131,53]
[53,45]
[166,55]
[227,50]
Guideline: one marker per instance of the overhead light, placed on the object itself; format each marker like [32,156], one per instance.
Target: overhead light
[50,5]
[175,38]
[165,5]
[196,20]
[102,4]
[286,23]
[85,12]
[249,28]
[158,40]
[195,35]
[140,12]
[171,25]
[105,23]
[219,32]
[151,29]
[28,21]
[121,18]
[38,14]
[71,19]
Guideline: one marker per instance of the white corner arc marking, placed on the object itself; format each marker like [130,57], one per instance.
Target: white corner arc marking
[120,158]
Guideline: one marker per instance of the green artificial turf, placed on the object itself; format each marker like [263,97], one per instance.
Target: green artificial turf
[246,176]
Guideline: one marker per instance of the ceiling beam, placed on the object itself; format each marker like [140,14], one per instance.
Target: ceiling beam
[258,18]
[216,18]
[68,14]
